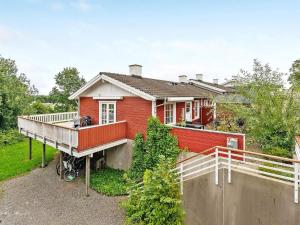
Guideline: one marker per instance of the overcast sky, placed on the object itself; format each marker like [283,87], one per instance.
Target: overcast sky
[169,38]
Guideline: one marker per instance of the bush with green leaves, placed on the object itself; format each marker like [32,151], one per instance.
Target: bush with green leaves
[11,136]
[157,202]
[109,182]
[146,153]
[272,117]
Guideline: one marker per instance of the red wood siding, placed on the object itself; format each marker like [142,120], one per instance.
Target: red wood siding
[200,140]
[206,115]
[160,111]
[89,107]
[99,135]
[135,111]
[205,112]
[179,107]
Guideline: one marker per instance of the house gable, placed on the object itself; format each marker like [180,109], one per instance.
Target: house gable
[105,89]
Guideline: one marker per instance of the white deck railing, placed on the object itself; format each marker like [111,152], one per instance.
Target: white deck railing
[218,157]
[297,150]
[53,117]
[43,128]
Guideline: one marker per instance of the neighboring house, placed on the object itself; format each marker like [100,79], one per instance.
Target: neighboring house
[120,105]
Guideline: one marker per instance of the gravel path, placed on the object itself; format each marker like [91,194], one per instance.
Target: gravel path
[41,198]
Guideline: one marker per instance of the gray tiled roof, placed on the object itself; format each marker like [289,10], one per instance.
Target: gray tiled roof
[227,89]
[161,88]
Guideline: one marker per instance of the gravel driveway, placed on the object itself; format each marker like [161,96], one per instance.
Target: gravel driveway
[41,198]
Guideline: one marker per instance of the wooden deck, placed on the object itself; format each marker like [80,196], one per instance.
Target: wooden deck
[57,130]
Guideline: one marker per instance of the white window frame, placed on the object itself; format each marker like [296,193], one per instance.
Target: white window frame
[197,109]
[191,110]
[107,111]
[174,113]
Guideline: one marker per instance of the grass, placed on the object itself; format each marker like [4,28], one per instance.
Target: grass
[275,171]
[109,182]
[14,159]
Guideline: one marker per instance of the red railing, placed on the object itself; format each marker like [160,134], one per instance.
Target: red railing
[90,137]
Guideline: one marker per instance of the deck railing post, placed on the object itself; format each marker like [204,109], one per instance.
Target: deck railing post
[44,154]
[70,139]
[217,166]
[87,175]
[61,165]
[30,148]
[229,166]
[181,178]
[296,182]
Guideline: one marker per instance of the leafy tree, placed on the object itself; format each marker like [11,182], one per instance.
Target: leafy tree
[158,201]
[294,77]
[66,83]
[227,119]
[271,118]
[38,107]
[16,94]
[159,142]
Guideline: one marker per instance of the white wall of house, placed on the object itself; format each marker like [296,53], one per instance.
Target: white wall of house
[105,89]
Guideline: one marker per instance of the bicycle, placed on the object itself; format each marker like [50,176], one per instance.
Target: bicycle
[72,167]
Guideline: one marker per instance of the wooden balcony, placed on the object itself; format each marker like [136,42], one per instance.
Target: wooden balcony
[57,130]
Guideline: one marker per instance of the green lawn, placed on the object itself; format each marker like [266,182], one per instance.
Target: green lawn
[14,158]
[109,182]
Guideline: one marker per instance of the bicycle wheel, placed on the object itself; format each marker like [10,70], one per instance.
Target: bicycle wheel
[69,175]
[58,169]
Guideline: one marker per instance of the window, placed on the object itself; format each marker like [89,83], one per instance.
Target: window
[107,112]
[197,109]
[170,113]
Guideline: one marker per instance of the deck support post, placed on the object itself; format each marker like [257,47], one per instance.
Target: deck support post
[87,175]
[44,156]
[30,148]
[61,165]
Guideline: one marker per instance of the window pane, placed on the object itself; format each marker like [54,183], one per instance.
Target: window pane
[169,117]
[104,114]
[111,112]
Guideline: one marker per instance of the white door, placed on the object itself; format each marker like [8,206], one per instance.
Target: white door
[188,111]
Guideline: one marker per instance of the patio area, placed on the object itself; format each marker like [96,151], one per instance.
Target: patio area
[41,197]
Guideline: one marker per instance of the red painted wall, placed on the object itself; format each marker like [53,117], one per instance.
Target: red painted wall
[206,115]
[89,107]
[199,140]
[179,107]
[135,111]
[160,110]
[205,112]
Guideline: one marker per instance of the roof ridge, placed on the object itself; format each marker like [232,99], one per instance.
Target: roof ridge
[122,74]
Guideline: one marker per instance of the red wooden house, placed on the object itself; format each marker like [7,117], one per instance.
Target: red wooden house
[119,106]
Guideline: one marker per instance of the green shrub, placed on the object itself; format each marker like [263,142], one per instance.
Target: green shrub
[146,153]
[278,151]
[11,136]
[158,201]
[109,182]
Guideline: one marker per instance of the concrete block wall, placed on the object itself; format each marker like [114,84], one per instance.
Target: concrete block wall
[248,200]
